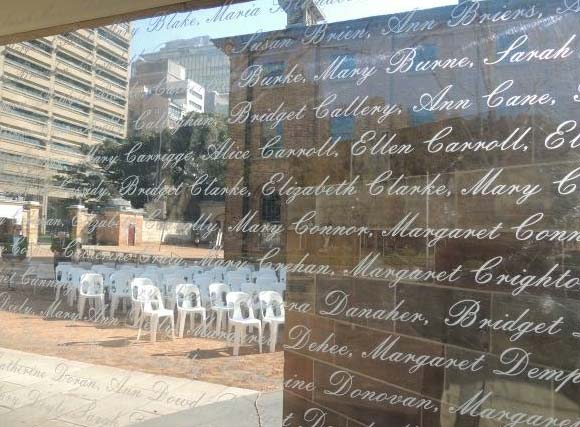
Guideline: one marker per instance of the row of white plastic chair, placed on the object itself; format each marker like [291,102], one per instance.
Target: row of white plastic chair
[238,306]
[116,281]
[246,274]
[217,297]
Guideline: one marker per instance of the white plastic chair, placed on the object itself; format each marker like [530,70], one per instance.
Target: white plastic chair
[62,276]
[218,274]
[189,303]
[195,270]
[120,289]
[242,317]
[266,272]
[185,274]
[246,271]
[218,303]
[170,284]
[73,283]
[91,288]
[235,279]
[153,275]
[151,302]
[136,305]
[105,272]
[202,281]
[272,310]
[265,283]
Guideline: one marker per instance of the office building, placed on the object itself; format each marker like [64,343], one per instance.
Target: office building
[161,96]
[58,95]
[203,62]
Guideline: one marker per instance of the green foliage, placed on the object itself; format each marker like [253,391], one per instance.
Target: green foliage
[110,169]
[18,248]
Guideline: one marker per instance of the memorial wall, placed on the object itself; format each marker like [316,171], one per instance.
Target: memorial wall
[428,189]
[390,190]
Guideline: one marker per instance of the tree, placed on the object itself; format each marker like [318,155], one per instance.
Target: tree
[168,158]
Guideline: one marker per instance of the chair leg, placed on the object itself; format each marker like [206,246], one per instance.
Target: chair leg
[237,337]
[218,323]
[114,302]
[181,319]
[102,301]
[140,324]
[192,322]
[172,327]
[70,294]
[204,320]
[154,321]
[81,307]
[136,314]
[273,337]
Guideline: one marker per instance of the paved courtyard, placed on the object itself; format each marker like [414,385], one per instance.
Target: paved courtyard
[42,391]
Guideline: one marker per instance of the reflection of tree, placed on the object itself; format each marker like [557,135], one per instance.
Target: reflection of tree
[98,170]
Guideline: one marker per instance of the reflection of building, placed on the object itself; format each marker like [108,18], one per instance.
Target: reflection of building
[377,91]
[216,102]
[59,93]
[161,95]
[203,62]
[349,98]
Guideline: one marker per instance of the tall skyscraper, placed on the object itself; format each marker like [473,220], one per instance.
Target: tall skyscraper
[58,94]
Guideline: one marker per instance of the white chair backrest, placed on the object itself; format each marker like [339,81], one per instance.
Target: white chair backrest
[104,271]
[120,283]
[282,274]
[218,293]
[184,273]
[75,274]
[267,272]
[242,304]
[150,297]
[235,279]
[154,276]
[91,284]
[218,273]
[203,280]
[62,273]
[170,283]
[265,283]
[136,285]
[244,271]
[250,289]
[126,266]
[271,305]
[188,296]
[195,270]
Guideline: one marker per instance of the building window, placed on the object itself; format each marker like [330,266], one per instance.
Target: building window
[342,127]
[271,208]
[273,69]
[426,52]
[422,117]
[272,139]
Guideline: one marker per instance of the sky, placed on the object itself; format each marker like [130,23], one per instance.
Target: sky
[151,33]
